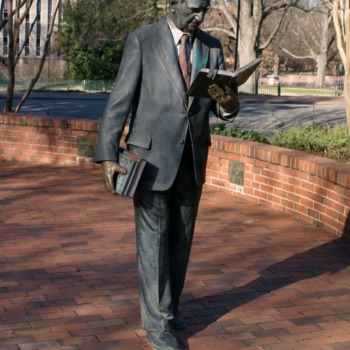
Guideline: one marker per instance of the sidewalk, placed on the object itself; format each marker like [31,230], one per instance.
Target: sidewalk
[265,114]
[258,279]
[103,96]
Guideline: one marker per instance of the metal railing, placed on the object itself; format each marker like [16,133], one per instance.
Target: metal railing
[47,84]
[284,90]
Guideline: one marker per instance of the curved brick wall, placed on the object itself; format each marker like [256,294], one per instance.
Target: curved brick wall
[314,188]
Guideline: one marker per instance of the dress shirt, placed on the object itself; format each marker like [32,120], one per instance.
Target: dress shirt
[177,34]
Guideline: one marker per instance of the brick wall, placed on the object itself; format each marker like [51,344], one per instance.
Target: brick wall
[315,189]
[47,140]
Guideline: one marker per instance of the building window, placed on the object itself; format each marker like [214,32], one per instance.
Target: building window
[38,28]
[49,10]
[26,38]
[5,35]
[59,14]
[17,41]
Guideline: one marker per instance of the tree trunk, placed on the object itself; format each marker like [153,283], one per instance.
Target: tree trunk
[342,29]
[321,58]
[276,66]
[246,55]
[347,64]
[11,61]
[10,88]
[321,61]
[155,10]
[347,100]
[247,43]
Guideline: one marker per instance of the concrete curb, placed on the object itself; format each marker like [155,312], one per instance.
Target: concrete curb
[293,99]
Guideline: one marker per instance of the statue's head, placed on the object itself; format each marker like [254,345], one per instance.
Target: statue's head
[187,15]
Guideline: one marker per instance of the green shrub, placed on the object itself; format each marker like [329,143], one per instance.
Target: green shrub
[249,135]
[322,140]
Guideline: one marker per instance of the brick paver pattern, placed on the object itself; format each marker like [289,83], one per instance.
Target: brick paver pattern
[258,279]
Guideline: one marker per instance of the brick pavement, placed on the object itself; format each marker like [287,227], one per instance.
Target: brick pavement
[258,279]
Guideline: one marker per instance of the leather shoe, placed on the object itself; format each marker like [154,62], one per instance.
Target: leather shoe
[163,341]
[178,322]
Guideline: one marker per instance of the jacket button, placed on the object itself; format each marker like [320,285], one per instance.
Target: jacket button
[182,142]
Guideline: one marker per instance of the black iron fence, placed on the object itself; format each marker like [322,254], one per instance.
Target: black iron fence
[46,84]
[279,89]
[285,90]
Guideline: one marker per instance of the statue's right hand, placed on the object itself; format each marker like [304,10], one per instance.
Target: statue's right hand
[110,169]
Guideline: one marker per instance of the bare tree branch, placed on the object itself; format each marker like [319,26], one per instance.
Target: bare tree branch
[274,32]
[46,50]
[231,19]
[25,13]
[25,39]
[294,55]
[226,31]
[338,21]
[4,21]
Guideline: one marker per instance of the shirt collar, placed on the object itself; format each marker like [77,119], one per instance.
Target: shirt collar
[175,31]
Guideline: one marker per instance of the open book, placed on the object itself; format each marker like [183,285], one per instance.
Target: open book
[207,77]
[134,165]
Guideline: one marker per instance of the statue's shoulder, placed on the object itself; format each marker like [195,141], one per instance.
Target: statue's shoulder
[148,30]
[208,39]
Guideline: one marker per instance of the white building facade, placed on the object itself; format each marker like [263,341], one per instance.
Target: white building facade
[32,33]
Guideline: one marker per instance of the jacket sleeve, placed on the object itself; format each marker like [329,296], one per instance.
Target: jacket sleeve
[229,117]
[120,102]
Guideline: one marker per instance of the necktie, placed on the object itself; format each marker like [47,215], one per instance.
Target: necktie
[184,61]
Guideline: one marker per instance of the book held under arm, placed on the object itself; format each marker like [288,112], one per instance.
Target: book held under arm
[207,77]
[126,184]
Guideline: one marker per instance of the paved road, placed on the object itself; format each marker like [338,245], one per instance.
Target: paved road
[268,117]
[262,113]
[67,105]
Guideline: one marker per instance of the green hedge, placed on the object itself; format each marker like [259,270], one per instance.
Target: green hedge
[323,140]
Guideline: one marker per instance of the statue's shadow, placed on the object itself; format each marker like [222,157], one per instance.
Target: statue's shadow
[328,258]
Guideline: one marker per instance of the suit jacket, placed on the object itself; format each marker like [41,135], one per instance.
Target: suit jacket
[149,87]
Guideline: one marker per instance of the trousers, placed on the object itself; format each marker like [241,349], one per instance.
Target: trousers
[165,222]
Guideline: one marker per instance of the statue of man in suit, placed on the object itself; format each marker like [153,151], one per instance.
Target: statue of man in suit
[171,132]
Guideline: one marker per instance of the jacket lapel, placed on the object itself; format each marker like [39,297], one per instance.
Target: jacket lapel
[200,59]
[166,48]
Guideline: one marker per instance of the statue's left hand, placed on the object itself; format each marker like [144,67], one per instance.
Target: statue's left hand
[109,169]
[225,97]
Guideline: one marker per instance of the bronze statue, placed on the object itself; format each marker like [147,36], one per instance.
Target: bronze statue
[171,132]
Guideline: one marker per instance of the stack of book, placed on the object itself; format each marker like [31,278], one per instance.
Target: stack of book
[126,184]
